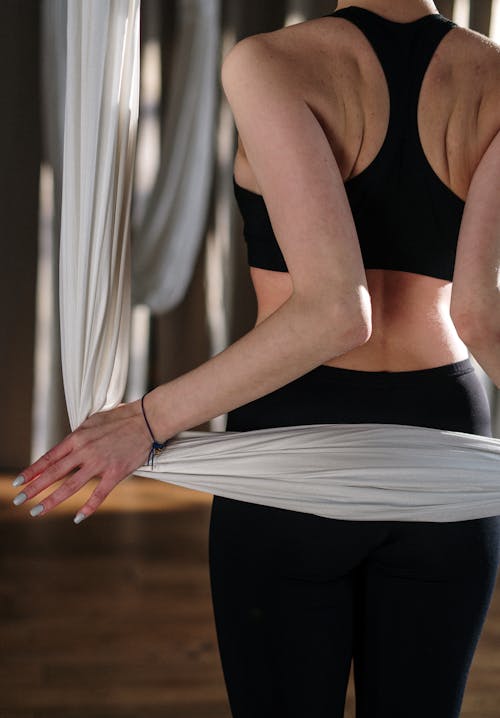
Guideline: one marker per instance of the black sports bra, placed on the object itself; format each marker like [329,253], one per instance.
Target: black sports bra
[406,218]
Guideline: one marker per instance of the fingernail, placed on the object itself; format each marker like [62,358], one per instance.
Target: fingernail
[36,510]
[79,517]
[18,480]
[19,498]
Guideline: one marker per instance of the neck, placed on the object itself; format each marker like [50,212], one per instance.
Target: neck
[402,11]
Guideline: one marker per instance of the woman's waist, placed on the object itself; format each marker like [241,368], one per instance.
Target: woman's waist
[411,349]
[448,396]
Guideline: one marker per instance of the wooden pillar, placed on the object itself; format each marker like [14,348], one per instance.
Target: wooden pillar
[480,16]
[445,7]
[19,180]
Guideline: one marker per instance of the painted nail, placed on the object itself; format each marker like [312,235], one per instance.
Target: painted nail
[79,517]
[19,498]
[18,480]
[36,510]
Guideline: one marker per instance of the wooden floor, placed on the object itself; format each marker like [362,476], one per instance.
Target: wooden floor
[113,617]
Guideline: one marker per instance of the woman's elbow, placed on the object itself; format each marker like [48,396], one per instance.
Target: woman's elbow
[356,319]
[359,331]
[343,323]
[345,330]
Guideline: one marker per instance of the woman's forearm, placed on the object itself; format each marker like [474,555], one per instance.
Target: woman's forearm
[296,338]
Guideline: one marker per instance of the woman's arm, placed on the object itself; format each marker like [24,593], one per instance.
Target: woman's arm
[329,310]
[290,342]
[475,296]
[486,351]
[113,444]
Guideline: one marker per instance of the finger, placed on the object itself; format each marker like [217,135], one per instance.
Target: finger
[54,473]
[103,488]
[50,457]
[71,486]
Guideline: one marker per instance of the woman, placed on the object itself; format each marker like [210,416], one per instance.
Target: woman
[297,596]
[352,202]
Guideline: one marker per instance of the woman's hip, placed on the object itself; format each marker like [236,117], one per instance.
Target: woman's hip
[449,397]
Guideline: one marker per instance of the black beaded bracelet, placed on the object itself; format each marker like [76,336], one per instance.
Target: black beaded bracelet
[156,447]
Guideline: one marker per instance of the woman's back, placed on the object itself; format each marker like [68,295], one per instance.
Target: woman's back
[342,80]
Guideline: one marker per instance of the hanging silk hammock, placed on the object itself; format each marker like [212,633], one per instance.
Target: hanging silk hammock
[345,471]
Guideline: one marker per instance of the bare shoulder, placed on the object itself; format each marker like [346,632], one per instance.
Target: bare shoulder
[471,55]
[475,64]
[255,55]
[302,58]
[287,60]
[483,43]
[308,48]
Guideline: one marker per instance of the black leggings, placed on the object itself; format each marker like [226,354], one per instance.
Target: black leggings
[297,596]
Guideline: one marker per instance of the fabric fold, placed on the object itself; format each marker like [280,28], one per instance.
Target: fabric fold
[362,472]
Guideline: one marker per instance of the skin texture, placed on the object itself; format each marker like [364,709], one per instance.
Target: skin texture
[315,86]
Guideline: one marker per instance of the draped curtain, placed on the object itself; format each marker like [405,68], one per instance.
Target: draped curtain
[167,239]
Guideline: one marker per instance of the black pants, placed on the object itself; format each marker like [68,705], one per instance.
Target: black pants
[297,596]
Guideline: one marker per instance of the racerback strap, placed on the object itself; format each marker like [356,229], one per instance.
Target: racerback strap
[404,51]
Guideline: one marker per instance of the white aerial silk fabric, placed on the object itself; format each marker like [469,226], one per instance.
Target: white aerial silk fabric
[100,135]
[166,242]
[344,471]
[361,472]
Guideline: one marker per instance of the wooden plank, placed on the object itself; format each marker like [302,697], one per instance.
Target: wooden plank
[121,604]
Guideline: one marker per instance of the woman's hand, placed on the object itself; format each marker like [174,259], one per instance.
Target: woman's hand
[109,444]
